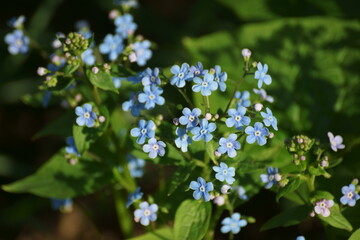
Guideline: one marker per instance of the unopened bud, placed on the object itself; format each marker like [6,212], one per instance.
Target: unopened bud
[324,163]
[217,154]
[246,53]
[160,117]
[220,200]
[176,121]
[132,57]
[271,135]
[56,43]
[355,181]
[102,119]
[212,71]
[302,158]
[312,214]
[208,116]
[72,161]
[78,97]
[41,71]
[212,197]
[95,70]
[300,140]
[68,41]
[258,107]
[254,64]
[225,188]
[216,116]
[114,14]
[277,177]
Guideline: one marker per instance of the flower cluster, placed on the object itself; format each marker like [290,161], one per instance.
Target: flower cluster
[18,42]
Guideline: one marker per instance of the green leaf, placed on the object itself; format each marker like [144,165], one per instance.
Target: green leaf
[101,80]
[85,136]
[61,126]
[355,235]
[292,186]
[210,149]
[319,172]
[192,220]
[165,233]
[318,195]
[288,217]
[59,179]
[69,68]
[181,175]
[62,83]
[336,219]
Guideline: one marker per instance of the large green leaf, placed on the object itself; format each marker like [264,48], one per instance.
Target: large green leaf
[355,235]
[192,220]
[165,233]
[61,126]
[101,80]
[292,186]
[59,179]
[288,217]
[336,219]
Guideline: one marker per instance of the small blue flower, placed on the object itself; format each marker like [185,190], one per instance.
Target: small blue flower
[261,75]
[134,196]
[83,27]
[243,99]
[151,96]
[71,148]
[180,75]
[229,145]
[117,81]
[233,224]
[202,189]
[190,117]
[86,115]
[224,173]
[183,140]
[146,213]
[203,131]
[138,78]
[133,105]
[300,238]
[46,98]
[220,78]
[61,204]
[135,166]
[262,93]
[198,70]
[237,118]
[17,22]
[270,177]
[18,42]
[151,77]
[112,46]
[256,133]
[142,51]
[335,142]
[144,131]
[269,119]
[350,196]
[125,25]
[154,148]
[88,57]
[242,193]
[205,85]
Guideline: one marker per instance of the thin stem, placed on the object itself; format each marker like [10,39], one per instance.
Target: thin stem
[207,104]
[235,90]
[124,218]
[187,99]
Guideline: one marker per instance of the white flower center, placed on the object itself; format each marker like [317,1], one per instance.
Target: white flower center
[271,177]
[229,145]
[147,212]
[180,75]
[237,118]
[333,143]
[184,137]
[323,205]
[233,225]
[155,147]
[257,133]
[203,131]
[86,115]
[113,46]
[152,79]
[202,189]
[143,131]
[225,171]
[217,79]
[197,72]
[350,195]
[262,75]
[191,118]
[18,42]
[151,96]
[270,118]
[205,84]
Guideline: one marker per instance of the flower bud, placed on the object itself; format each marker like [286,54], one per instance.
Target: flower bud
[78,97]
[312,214]
[113,14]
[217,154]
[300,140]
[324,163]
[254,64]
[355,181]
[176,121]
[225,188]
[95,70]
[132,57]
[208,116]
[277,177]
[246,53]
[41,71]
[56,43]
[160,117]
[216,116]
[212,71]
[271,135]
[102,119]
[72,161]
[258,107]
[302,158]
[220,200]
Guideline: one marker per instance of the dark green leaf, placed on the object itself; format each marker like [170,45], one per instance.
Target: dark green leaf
[101,80]
[181,175]
[355,235]
[292,186]
[165,233]
[319,172]
[61,126]
[192,220]
[69,68]
[336,219]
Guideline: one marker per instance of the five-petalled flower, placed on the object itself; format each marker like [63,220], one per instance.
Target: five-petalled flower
[201,189]
[335,142]
[261,75]
[229,145]
[350,196]
[144,131]
[256,133]
[233,224]
[154,148]
[86,115]
[224,173]
[146,213]
[203,131]
[322,207]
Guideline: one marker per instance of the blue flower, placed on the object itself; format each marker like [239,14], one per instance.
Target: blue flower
[71,148]
[202,189]
[262,93]
[151,96]
[144,131]
[151,77]
[350,196]
[117,81]
[83,27]
[133,105]
[180,75]
[142,51]
[269,119]
[146,213]
[125,25]
[154,148]
[270,178]
[61,204]
[190,118]
[138,78]
[233,224]
[205,85]
[256,133]
[242,193]
[183,140]
[46,98]
[88,57]
[203,131]
[16,22]
[300,238]
[134,196]
[18,42]
[86,115]
[229,145]
[224,173]
[237,118]
[220,78]
[112,46]
[198,70]
[261,75]
[135,166]
[243,99]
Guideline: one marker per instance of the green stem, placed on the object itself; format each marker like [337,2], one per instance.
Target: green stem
[311,183]
[123,215]
[207,104]
[235,90]
[187,99]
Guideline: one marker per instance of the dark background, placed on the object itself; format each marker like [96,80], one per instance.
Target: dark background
[313,52]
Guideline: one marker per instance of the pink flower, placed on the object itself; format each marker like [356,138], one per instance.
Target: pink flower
[322,207]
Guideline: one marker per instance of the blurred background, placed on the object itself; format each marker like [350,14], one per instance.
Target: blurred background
[312,48]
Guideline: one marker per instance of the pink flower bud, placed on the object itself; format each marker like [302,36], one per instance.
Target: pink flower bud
[220,200]
[95,70]
[258,107]
[208,116]
[102,119]
[246,53]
